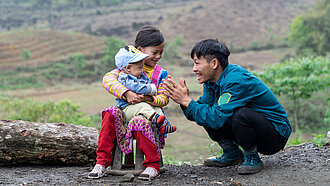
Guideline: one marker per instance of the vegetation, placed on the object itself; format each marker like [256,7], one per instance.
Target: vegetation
[28,47]
[13,82]
[112,45]
[26,55]
[311,112]
[327,114]
[171,52]
[168,159]
[75,68]
[27,110]
[211,149]
[48,74]
[298,79]
[318,139]
[310,33]
[61,4]
[295,141]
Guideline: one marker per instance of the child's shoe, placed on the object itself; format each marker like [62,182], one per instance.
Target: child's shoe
[148,174]
[166,127]
[97,172]
[157,119]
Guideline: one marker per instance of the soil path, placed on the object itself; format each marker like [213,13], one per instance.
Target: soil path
[304,164]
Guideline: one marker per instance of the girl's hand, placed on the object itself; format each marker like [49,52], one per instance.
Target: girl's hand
[133,97]
[147,98]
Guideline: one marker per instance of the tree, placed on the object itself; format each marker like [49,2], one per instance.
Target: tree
[79,63]
[112,46]
[26,55]
[310,33]
[297,79]
[88,28]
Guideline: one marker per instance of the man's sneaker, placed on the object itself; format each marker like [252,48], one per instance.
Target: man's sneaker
[148,173]
[229,158]
[252,164]
[97,172]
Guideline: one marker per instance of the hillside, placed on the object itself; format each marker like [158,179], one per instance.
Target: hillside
[239,23]
[44,46]
[243,25]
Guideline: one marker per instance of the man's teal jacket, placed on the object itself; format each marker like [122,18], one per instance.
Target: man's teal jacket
[235,88]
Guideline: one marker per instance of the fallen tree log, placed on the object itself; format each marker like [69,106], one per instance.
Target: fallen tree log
[23,142]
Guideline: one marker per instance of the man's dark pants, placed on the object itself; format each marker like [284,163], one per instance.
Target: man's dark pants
[248,129]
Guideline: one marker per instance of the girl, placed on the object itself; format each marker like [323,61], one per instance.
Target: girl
[149,40]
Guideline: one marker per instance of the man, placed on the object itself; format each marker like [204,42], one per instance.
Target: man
[236,108]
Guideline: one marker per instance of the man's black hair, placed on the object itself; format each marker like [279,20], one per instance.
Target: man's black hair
[209,49]
[148,36]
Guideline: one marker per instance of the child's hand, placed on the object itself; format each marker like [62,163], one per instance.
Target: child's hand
[133,98]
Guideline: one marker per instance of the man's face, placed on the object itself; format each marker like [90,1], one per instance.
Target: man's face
[203,70]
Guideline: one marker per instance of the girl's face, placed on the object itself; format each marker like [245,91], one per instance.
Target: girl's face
[155,54]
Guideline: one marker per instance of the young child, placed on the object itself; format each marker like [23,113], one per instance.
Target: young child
[130,61]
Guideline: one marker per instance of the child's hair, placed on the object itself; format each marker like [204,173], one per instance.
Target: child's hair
[211,48]
[148,36]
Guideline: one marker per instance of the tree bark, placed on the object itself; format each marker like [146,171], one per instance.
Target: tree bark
[23,142]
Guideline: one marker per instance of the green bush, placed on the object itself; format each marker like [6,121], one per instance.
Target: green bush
[318,139]
[312,111]
[172,49]
[254,46]
[297,80]
[310,33]
[28,110]
[112,46]
[26,55]
[19,82]
[295,141]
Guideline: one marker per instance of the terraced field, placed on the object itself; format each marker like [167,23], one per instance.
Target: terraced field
[45,46]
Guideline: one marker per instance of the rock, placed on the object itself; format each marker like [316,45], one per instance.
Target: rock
[235,182]
[194,176]
[127,178]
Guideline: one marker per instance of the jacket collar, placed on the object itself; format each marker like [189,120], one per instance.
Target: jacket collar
[223,75]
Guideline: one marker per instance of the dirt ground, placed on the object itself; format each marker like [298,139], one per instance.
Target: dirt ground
[304,164]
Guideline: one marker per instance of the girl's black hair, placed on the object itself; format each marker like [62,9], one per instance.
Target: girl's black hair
[148,36]
[211,48]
